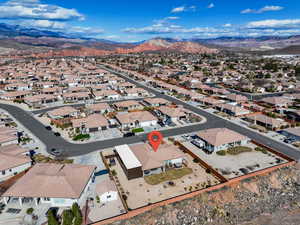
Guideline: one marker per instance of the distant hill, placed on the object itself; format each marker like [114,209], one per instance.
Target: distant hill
[159,44]
[262,43]
[18,38]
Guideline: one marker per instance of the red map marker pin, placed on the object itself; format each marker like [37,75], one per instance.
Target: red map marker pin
[155,139]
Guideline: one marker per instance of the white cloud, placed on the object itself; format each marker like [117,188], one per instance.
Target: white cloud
[270,8]
[88,31]
[183,9]
[227,25]
[255,28]
[178,9]
[290,23]
[266,8]
[172,18]
[44,24]
[211,5]
[247,11]
[34,9]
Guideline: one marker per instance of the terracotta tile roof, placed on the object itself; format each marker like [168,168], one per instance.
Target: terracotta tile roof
[276,100]
[52,181]
[63,111]
[135,116]
[150,159]
[156,101]
[98,106]
[92,121]
[220,136]
[11,156]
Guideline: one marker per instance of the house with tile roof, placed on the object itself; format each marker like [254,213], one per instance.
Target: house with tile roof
[59,185]
[216,139]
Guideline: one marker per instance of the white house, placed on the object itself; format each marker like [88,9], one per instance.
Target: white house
[13,161]
[136,119]
[59,185]
[216,139]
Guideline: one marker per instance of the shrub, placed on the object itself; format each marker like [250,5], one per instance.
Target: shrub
[52,220]
[113,172]
[263,150]
[196,160]
[29,211]
[78,220]
[81,137]
[67,217]
[238,149]
[124,197]
[77,214]
[137,130]
[221,152]
[97,199]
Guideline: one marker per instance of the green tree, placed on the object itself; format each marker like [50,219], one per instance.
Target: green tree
[52,220]
[77,214]
[68,217]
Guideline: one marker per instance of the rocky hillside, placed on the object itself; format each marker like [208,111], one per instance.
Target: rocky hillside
[273,199]
[254,43]
[164,45]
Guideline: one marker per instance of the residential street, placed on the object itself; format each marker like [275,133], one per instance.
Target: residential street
[69,149]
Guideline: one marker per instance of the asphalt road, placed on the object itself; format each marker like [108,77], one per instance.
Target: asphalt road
[78,105]
[257,96]
[70,149]
[215,121]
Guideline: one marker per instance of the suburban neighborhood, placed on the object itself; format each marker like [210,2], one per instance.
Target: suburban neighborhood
[84,102]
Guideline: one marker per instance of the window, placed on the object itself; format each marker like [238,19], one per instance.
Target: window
[3,172]
[108,196]
[9,170]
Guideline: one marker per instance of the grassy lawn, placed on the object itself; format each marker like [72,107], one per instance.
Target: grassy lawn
[81,137]
[137,130]
[169,175]
[238,149]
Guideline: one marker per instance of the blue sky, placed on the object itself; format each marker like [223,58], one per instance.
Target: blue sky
[137,20]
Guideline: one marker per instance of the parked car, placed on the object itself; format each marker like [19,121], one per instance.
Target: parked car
[48,128]
[197,143]
[57,134]
[55,152]
[130,134]
[289,140]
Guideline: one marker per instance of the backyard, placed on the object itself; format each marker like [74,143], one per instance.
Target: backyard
[169,175]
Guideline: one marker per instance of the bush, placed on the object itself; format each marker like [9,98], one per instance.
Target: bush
[29,211]
[263,150]
[124,197]
[77,214]
[52,220]
[67,217]
[81,137]
[196,160]
[238,149]
[221,152]
[97,199]
[113,172]
[137,130]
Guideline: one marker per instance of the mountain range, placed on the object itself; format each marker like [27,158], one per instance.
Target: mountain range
[14,38]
